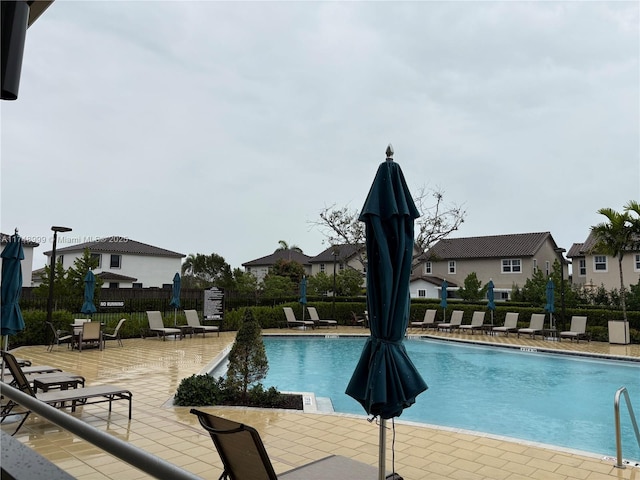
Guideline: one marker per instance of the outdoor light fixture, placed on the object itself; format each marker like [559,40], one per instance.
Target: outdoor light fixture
[560,251]
[52,268]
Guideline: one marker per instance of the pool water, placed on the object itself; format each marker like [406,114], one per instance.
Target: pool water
[554,399]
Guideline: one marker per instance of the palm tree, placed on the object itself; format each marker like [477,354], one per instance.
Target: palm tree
[615,238]
[285,247]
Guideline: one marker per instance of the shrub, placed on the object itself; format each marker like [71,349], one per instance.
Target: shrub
[199,390]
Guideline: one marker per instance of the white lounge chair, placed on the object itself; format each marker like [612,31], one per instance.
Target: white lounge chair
[313,315]
[194,322]
[535,326]
[293,322]
[454,322]
[429,320]
[477,322]
[577,329]
[156,325]
[510,324]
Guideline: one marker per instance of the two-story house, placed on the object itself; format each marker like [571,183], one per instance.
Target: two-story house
[27,264]
[337,258]
[592,268]
[124,263]
[260,267]
[508,260]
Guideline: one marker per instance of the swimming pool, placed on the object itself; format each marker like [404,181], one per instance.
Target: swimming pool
[554,399]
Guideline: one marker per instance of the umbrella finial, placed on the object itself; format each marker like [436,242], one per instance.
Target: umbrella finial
[389,153]
[16,231]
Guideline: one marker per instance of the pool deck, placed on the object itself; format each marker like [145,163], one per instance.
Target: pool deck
[152,370]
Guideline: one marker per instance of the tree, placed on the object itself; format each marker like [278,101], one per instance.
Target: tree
[349,282]
[534,290]
[615,237]
[77,273]
[60,285]
[473,289]
[247,359]
[204,271]
[245,284]
[320,284]
[277,286]
[437,221]
[288,268]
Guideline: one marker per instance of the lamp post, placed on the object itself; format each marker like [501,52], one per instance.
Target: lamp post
[52,269]
[560,251]
[335,254]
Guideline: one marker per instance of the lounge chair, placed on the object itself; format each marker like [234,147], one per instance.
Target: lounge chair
[59,336]
[454,322]
[358,320]
[156,325]
[194,322]
[536,324]
[91,334]
[245,457]
[577,329]
[510,324]
[293,322]
[477,322]
[115,335]
[60,398]
[313,315]
[429,320]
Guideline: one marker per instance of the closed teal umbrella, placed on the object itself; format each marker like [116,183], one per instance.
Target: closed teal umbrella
[385,380]
[443,299]
[303,294]
[175,297]
[88,306]
[550,305]
[491,304]
[11,321]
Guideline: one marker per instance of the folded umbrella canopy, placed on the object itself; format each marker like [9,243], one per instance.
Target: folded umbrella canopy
[550,305]
[443,299]
[491,304]
[88,306]
[175,297]
[385,380]
[11,321]
[303,294]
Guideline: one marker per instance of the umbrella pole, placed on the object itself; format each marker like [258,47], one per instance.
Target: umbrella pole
[175,317]
[381,454]
[5,347]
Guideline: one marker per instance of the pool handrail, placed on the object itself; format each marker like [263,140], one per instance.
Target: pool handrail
[616,415]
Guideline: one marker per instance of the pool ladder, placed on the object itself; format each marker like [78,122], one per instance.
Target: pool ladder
[616,415]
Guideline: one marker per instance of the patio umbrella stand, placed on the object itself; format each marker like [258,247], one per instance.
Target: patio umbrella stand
[303,294]
[385,380]
[491,304]
[175,297]
[88,307]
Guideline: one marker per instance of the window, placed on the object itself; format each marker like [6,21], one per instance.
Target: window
[167,286]
[116,260]
[322,267]
[422,293]
[600,263]
[547,268]
[98,257]
[341,267]
[582,267]
[535,265]
[636,264]
[60,260]
[511,266]
[113,284]
[428,268]
[452,266]
[136,285]
[504,295]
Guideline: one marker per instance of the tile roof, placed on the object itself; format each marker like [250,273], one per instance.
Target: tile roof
[576,250]
[118,244]
[345,252]
[115,276]
[432,279]
[589,245]
[4,238]
[290,255]
[495,246]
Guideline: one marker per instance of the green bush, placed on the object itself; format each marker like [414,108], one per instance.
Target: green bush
[199,390]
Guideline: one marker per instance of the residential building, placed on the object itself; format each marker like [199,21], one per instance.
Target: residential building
[260,267]
[508,260]
[26,264]
[339,257]
[592,268]
[124,263]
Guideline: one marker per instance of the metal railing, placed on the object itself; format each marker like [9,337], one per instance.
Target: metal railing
[142,460]
[616,415]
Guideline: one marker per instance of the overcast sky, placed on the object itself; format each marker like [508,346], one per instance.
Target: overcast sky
[224,127]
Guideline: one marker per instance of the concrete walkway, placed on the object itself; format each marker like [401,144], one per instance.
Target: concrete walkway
[152,370]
